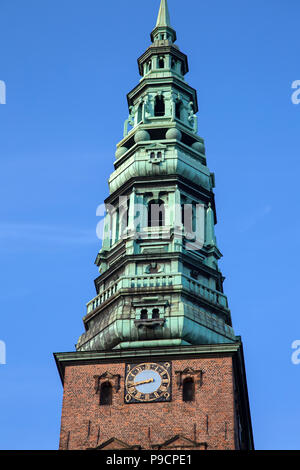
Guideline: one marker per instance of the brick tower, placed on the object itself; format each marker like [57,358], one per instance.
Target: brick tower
[159,365]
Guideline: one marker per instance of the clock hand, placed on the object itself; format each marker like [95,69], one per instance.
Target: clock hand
[144,382]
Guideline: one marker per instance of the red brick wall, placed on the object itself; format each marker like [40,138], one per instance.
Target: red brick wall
[86,424]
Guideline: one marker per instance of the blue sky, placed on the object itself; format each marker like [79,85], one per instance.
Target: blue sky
[68,65]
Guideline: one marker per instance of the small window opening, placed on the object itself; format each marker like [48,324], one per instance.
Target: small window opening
[106,394]
[188,390]
[159,107]
[155,313]
[178,109]
[144,314]
[161,63]
[156,214]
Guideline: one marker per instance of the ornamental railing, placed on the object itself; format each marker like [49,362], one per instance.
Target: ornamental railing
[203,291]
[158,280]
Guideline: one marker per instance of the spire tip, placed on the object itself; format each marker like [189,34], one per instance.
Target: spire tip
[163,18]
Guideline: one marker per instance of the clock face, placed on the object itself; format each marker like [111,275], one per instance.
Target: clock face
[148,382]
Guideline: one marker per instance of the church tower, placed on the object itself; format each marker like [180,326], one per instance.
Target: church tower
[159,366]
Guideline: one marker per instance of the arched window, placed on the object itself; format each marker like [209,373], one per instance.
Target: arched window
[173,63]
[106,394]
[188,390]
[156,214]
[161,63]
[144,314]
[155,313]
[159,106]
[178,109]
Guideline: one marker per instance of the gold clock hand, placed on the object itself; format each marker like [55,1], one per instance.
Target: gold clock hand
[144,382]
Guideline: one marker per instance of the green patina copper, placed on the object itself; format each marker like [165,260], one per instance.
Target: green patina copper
[157,287]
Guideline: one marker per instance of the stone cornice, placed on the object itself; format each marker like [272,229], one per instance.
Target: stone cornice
[64,359]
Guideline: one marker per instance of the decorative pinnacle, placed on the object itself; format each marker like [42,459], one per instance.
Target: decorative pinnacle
[163,18]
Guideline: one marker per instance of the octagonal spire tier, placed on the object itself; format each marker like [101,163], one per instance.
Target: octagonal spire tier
[163,30]
[163,58]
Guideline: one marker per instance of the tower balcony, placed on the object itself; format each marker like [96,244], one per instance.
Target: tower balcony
[159,281]
[156,309]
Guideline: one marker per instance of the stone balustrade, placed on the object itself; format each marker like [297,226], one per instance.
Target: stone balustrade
[158,280]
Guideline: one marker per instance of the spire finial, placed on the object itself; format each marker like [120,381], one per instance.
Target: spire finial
[163,29]
[163,18]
